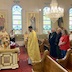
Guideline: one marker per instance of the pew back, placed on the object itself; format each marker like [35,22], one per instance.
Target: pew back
[52,66]
[66,62]
[47,64]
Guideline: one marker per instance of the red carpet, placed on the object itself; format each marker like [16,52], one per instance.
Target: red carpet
[23,65]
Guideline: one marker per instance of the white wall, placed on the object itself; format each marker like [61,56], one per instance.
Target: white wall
[33,6]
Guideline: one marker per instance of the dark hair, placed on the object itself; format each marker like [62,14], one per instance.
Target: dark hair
[66,32]
[30,27]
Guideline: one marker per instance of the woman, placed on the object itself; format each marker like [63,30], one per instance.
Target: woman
[64,43]
[12,36]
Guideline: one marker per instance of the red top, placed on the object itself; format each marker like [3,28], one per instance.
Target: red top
[65,39]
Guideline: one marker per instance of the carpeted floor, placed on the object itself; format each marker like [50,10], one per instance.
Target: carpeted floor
[23,65]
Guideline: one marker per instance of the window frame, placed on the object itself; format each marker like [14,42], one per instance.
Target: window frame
[47,21]
[17,19]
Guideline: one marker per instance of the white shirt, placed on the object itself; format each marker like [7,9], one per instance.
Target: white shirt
[12,35]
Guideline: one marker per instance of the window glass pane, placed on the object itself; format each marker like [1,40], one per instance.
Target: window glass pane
[70,27]
[47,27]
[16,17]
[70,11]
[46,21]
[16,12]
[17,27]
[70,14]
[70,19]
[17,21]
[17,8]
[70,23]
[46,18]
[45,10]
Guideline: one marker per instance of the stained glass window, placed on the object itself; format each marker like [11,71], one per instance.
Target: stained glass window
[17,19]
[46,21]
[70,19]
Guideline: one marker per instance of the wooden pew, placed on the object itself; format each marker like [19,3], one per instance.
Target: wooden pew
[46,43]
[66,62]
[47,64]
[42,44]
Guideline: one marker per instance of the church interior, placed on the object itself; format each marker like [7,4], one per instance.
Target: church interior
[35,35]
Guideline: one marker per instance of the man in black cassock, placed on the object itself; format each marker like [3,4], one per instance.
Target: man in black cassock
[52,39]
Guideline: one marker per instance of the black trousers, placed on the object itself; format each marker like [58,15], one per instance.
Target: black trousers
[58,52]
[53,51]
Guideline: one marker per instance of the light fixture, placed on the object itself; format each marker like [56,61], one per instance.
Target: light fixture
[54,12]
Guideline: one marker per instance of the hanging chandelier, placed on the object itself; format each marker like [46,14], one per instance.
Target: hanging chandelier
[54,12]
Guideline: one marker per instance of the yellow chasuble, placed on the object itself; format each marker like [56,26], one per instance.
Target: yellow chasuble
[5,34]
[5,40]
[33,47]
[25,37]
[0,35]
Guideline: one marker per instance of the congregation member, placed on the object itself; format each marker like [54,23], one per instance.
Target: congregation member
[64,43]
[12,36]
[52,39]
[4,33]
[33,47]
[57,42]
[4,38]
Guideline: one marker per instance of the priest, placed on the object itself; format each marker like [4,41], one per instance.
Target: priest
[33,47]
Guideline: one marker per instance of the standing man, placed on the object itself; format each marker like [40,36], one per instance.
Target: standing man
[33,47]
[52,39]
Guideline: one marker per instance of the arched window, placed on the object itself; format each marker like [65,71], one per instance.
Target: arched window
[70,19]
[46,21]
[17,19]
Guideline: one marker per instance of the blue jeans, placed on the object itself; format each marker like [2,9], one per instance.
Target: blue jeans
[63,53]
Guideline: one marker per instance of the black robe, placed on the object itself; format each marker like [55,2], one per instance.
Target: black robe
[52,39]
[57,47]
